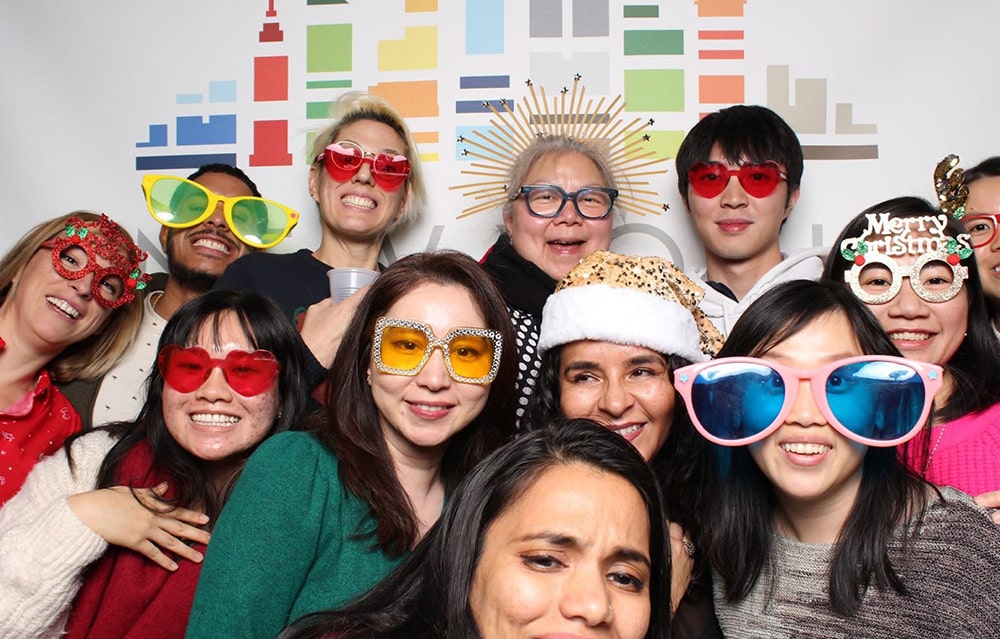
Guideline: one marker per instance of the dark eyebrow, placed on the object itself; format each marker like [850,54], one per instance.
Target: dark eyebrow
[638,360]
[566,541]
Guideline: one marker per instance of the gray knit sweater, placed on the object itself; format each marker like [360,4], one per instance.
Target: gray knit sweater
[952,573]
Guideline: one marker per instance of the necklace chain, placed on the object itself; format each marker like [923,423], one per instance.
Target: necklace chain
[934,450]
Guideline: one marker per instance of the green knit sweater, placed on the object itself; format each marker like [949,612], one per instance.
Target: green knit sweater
[285,545]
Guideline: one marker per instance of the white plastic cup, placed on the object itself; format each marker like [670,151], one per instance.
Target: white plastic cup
[346,281]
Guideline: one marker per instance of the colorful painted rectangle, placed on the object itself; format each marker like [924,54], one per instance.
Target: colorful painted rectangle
[477,106]
[270,143]
[845,152]
[157,136]
[654,90]
[270,78]
[545,18]
[222,91]
[189,98]
[318,110]
[483,27]
[311,2]
[721,89]
[194,130]
[420,6]
[426,137]
[328,48]
[720,54]
[720,8]
[654,42]
[641,11]
[484,82]
[417,99]
[725,34]
[416,51]
[161,162]
[329,84]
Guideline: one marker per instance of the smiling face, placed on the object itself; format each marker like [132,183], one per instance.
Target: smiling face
[419,414]
[214,422]
[201,253]
[625,388]
[736,227]
[984,197]
[569,558]
[359,209]
[557,244]
[809,463]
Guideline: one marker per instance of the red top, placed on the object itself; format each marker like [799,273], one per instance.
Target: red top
[31,428]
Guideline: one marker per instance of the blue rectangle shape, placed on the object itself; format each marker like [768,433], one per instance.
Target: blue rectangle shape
[484,82]
[189,98]
[220,129]
[483,26]
[222,91]
[476,106]
[157,136]
[159,162]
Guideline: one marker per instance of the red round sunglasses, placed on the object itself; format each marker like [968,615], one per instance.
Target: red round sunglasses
[344,159]
[709,179]
[185,369]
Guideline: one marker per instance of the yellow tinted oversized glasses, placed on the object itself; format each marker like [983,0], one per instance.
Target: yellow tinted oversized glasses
[402,347]
[179,203]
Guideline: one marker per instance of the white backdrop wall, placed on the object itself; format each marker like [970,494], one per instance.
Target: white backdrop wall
[95,94]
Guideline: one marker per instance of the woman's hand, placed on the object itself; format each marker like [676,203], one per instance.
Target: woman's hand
[141,522]
[324,324]
[991,500]
[681,563]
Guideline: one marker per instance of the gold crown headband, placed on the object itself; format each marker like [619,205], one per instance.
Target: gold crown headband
[949,182]
[514,130]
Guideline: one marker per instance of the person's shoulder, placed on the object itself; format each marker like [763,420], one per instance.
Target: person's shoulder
[303,448]
[952,516]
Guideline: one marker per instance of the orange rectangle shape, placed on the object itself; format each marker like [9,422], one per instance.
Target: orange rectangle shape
[733,34]
[711,54]
[721,89]
[720,8]
[426,137]
[416,99]
[270,78]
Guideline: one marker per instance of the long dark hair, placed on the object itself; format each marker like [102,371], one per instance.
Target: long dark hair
[681,463]
[741,523]
[427,596]
[975,366]
[265,327]
[351,429]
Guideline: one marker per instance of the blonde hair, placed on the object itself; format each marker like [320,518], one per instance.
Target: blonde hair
[95,355]
[355,106]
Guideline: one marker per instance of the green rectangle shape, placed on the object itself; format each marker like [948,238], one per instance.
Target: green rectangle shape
[309,2]
[642,11]
[654,42]
[317,110]
[328,47]
[329,84]
[654,90]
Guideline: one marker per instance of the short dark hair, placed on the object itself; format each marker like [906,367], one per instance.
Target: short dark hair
[227,170]
[975,366]
[265,327]
[742,131]
[741,524]
[990,167]
[351,428]
[427,596]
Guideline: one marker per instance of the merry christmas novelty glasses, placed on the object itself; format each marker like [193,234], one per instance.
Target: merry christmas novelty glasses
[936,277]
[548,200]
[179,203]
[344,159]
[186,369]
[402,347]
[709,179]
[874,400]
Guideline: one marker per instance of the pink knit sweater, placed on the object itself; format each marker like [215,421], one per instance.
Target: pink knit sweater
[964,453]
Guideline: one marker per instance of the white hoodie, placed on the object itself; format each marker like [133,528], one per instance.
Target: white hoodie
[804,264]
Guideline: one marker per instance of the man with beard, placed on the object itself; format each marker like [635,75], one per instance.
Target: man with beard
[196,257]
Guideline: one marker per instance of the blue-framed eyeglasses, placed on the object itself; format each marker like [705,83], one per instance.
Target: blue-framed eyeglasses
[548,200]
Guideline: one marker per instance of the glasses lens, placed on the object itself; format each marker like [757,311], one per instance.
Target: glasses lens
[708,179]
[545,201]
[73,259]
[402,348]
[184,369]
[593,203]
[259,222]
[760,180]
[345,157]
[390,170]
[471,356]
[981,229]
[177,202]
[876,400]
[737,400]
[250,374]
[110,287]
